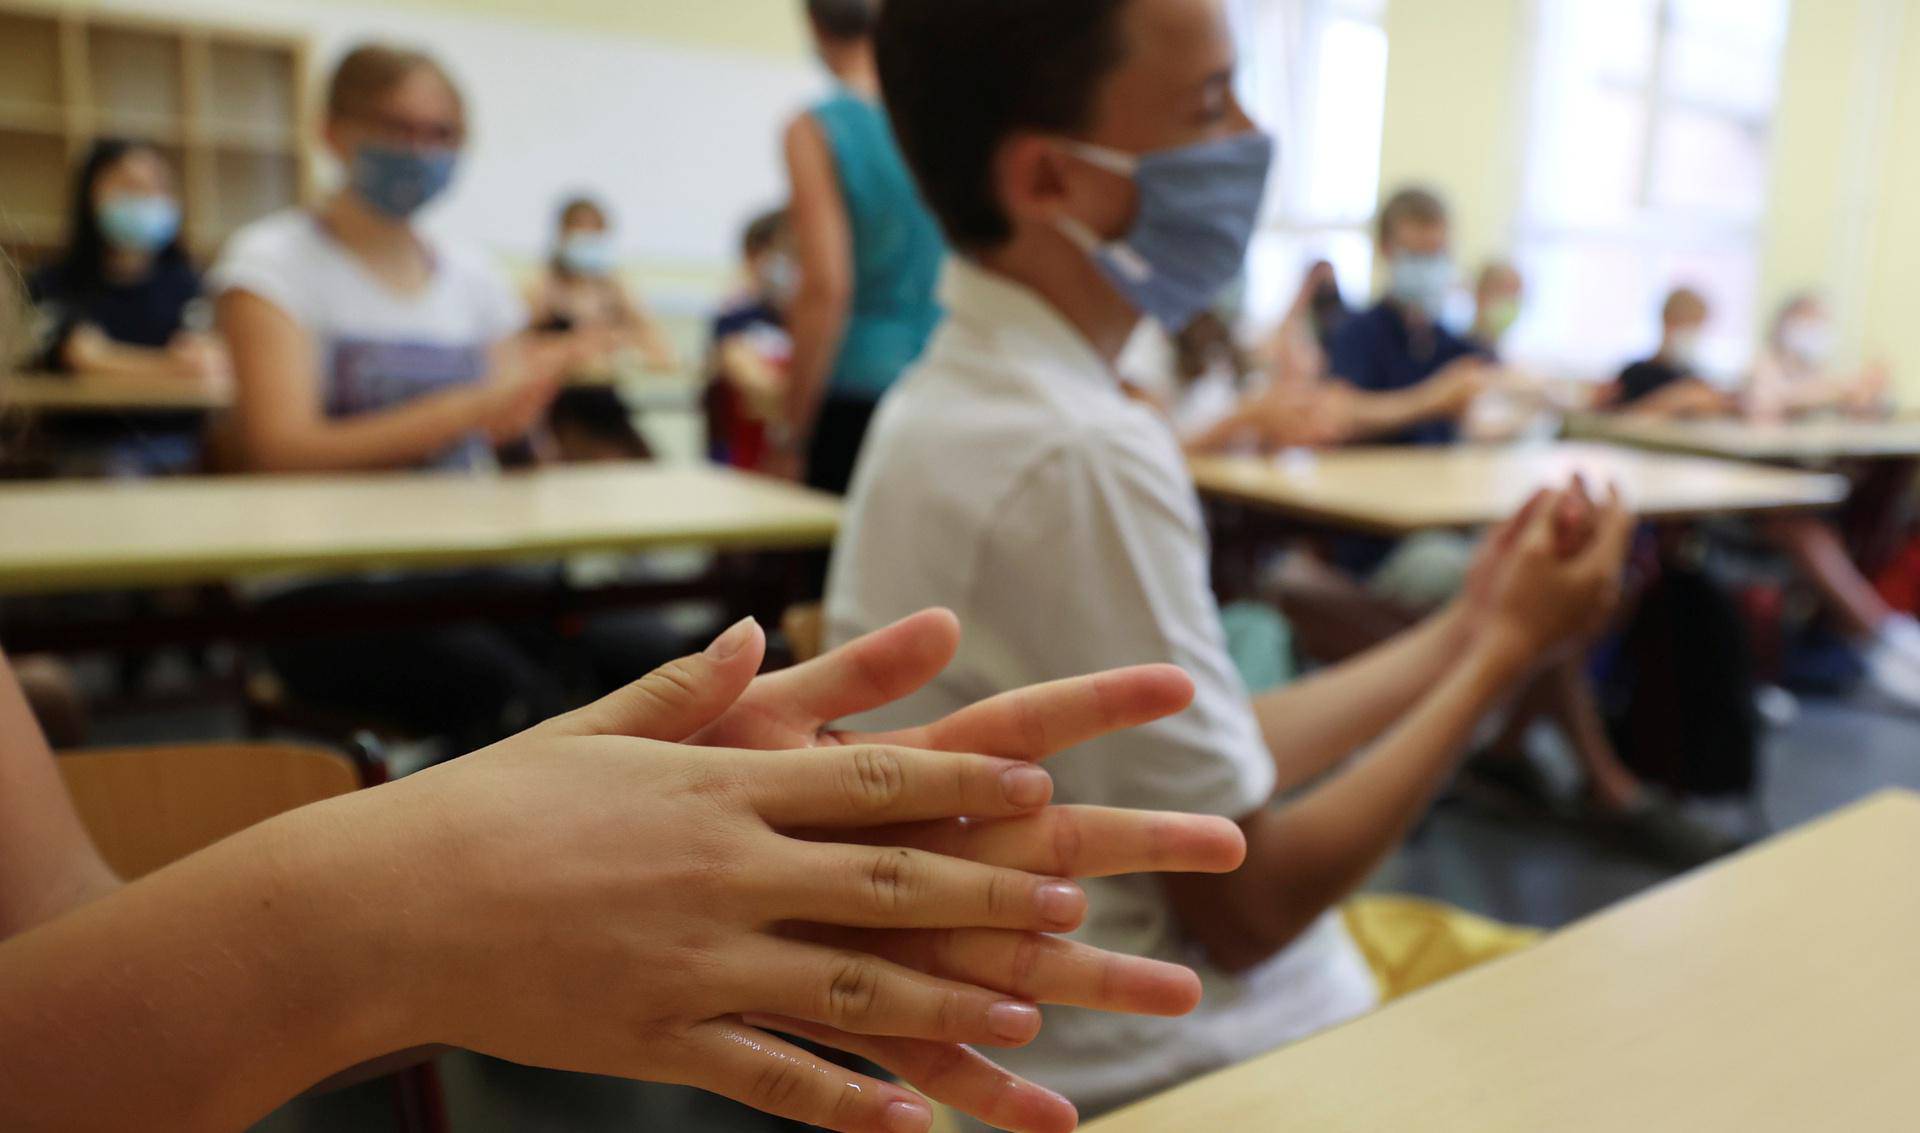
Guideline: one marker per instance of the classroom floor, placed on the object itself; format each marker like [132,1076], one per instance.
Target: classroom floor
[1524,871]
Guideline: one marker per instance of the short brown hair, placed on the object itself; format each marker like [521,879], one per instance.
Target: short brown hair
[1415,204]
[844,19]
[766,230]
[371,71]
[1685,302]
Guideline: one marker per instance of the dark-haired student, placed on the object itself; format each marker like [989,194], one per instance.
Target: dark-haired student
[1090,165]
[122,297]
[869,256]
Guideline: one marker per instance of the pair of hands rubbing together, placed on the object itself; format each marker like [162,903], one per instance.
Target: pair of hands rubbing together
[658,886]
[881,894]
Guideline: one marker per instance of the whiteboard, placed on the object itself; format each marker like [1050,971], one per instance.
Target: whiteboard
[681,142]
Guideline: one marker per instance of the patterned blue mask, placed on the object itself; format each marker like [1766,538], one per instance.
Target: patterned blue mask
[400,182]
[1199,206]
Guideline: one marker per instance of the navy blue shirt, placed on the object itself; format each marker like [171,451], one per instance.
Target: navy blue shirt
[1376,351]
[147,313]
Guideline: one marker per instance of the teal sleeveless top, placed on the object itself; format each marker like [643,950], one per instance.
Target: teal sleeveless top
[897,250]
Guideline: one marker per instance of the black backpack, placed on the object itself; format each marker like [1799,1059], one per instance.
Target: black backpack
[1682,694]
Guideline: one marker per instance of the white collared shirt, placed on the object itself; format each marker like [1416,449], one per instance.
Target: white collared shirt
[1008,478]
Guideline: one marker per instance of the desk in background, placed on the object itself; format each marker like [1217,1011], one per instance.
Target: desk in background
[1799,442]
[1774,993]
[1400,490]
[96,394]
[70,536]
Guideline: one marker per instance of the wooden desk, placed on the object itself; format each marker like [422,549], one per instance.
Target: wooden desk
[1772,994]
[93,394]
[1396,491]
[69,536]
[1802,442]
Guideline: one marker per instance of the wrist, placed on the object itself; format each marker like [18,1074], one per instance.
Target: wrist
[351,968]
[1502,657]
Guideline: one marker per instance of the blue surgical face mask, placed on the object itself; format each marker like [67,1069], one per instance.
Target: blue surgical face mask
[589,253]
[400,182]
[1423,282]
[139,223]
[1199,206]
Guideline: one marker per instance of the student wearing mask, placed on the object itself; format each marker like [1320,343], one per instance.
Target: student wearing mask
[1497,293]
[121,299]
[869,257]
[581,295]
[1669,383]
[1400,346]
[750,351]
[656,887]
[1790,373]
[360,342]
[1090,165]
[1796,374]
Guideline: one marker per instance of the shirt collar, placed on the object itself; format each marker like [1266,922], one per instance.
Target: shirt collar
[1015,321]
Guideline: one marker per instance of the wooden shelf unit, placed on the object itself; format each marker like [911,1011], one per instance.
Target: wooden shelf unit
[228,106]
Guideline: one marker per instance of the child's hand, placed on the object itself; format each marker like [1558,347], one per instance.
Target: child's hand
[1553,580]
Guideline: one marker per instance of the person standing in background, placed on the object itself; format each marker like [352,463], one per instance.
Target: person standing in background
[869,257]
[120,299]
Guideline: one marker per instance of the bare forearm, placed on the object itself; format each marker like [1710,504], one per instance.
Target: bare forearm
[97,355]
[1308,855]
[1378,415]
[1312,725]
[197,999]
[819,324]
[392,438]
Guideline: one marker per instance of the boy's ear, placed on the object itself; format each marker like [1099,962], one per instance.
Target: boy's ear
[1029,181]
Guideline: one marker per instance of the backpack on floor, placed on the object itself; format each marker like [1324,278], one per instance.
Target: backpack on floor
[1682,695]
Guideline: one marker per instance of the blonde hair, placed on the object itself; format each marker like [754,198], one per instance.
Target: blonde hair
[370,72]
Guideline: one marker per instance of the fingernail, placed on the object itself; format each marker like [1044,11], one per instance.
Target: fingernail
[908,1117]
[1061,903]
[1013,1022]
[731,642]
[1026,786]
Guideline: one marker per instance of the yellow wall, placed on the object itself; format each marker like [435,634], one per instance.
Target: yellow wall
[771,26]
[1456,80]
[765,26]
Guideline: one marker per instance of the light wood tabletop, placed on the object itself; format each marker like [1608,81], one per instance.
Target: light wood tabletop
[1774,993]
[75,535]
[94,393]
[1796,442]
[1398,490]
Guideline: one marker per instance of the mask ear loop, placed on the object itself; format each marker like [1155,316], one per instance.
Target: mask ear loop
[1122,256]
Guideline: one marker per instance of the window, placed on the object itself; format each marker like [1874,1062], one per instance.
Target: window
[1314,72]
[1647,168]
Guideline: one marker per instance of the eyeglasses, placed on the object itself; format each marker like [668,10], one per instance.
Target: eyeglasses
[398,131]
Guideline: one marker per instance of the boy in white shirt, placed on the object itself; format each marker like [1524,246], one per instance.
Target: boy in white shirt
[1090,164]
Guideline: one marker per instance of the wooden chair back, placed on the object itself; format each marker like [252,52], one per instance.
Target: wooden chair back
[148,807]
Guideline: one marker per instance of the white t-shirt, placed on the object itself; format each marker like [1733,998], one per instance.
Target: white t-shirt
[1008,478]
[374,348]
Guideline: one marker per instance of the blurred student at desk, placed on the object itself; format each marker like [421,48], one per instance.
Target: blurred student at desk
[361,343]
[581,295]
[122,300]
[1793,376]
[750,352]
